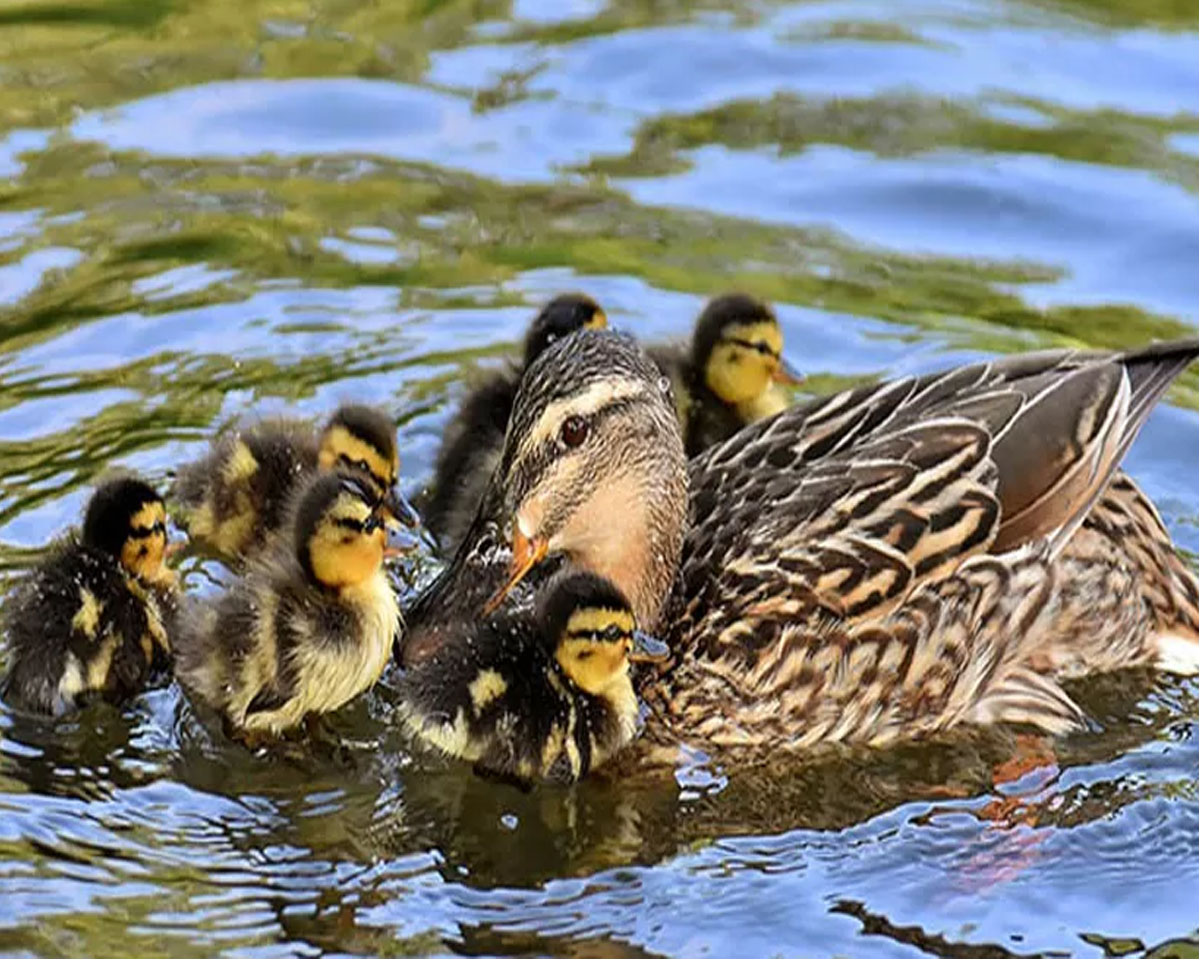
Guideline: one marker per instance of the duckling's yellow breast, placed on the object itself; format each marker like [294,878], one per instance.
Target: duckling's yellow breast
[766,404]
[333,679]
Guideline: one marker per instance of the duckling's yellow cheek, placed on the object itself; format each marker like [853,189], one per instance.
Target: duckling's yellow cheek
[339,562]
[736,374]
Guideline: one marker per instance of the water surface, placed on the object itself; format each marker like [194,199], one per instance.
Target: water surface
[209,209]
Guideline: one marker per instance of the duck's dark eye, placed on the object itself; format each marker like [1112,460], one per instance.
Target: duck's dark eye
[574,431]
[362,465]
[613,633]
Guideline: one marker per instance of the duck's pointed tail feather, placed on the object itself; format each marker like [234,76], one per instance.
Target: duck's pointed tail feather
[1057,455]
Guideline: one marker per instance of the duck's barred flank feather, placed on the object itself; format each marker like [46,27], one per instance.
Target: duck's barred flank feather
[932,550]
[957,651]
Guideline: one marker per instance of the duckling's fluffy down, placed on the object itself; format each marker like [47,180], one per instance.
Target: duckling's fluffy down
[77,628]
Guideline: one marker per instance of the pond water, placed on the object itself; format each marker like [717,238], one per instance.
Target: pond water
[211,208]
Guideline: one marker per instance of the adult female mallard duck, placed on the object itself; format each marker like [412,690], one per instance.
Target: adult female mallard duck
[309,627]
[91,621]
[232,499]
[476,434]
[886,562]
[730,374]
[547,697]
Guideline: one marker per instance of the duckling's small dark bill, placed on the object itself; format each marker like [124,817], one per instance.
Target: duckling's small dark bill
[400,540]
[396,506]
[787,374]
[648,649]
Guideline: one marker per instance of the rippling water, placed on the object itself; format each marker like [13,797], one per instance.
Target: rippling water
[209,208]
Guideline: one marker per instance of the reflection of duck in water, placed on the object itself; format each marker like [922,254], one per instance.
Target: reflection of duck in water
[887,562]
[309,627]
[232,499]
[475,436]
[91,621]
[550,699]
[730,374]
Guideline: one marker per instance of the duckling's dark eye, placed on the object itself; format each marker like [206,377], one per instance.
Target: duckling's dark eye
[362,465]
[613,633]
[574,431]
[372,524]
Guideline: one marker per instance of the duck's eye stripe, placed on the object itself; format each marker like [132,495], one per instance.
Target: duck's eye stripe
[349,524]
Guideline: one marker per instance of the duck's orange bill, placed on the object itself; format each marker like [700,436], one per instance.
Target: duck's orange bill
[526,554]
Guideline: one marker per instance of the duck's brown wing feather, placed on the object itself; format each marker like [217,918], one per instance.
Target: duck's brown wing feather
[843,506]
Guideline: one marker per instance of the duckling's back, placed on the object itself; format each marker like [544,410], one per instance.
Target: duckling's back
[77,629]
[500,702]
[241,491]
[469,453]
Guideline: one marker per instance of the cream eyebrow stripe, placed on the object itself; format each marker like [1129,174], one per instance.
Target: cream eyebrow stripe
[596,397]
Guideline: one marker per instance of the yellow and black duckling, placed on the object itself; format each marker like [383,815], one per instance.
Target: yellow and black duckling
[311,624]
[232,499]
[547,697]
[887,562]
[92,620]
[730,374]
[475,436]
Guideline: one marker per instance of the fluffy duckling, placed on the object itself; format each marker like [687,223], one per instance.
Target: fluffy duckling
[310,626]
[242,491]
[91,621]
[475,436]
[730,374]
[547,698]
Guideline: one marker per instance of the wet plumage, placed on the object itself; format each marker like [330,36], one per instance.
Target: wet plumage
[887,562]
[310,625]
[92,620]
[475,436]
[232,500]
[541,696]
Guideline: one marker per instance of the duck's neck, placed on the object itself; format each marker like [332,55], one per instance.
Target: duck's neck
[631,532]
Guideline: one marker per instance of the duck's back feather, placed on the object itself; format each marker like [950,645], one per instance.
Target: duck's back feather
[862,535]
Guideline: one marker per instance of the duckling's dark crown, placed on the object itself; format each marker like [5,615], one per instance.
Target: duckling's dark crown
[565,314]
[368,424]
[320,494]
[719,314]
[112,507]
[571,593]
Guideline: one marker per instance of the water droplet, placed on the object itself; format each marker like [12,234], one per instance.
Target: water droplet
[664,384]
[510,821]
